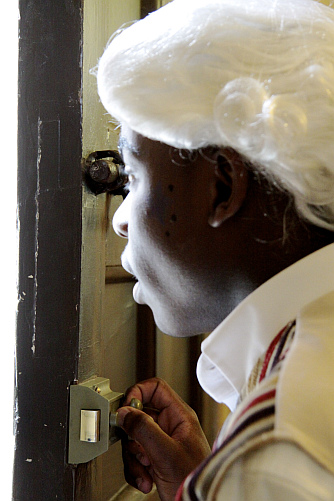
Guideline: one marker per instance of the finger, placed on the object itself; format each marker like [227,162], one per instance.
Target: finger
[144,485]
[160,401]
[154,393]
[137,450]
[175,417]
[154,413]
[133,447]
[136,474]
[146,432]
[143,459]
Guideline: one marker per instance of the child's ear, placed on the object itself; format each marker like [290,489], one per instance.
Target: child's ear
[230,182]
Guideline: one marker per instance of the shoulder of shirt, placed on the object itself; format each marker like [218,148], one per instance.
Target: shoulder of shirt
[281,408]
[270,472]
[305,391]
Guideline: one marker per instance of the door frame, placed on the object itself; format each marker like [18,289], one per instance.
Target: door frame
[49,217]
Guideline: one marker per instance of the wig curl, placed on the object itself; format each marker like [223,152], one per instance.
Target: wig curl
[254,76]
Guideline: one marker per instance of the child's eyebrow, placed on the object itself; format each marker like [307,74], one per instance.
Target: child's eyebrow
[123,143]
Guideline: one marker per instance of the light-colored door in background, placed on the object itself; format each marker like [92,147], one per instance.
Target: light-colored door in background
[107,343]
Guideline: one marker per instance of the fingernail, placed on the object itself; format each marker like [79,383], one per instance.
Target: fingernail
[121,413]
[139,481]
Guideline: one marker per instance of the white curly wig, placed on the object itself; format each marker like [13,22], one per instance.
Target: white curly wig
[251,75]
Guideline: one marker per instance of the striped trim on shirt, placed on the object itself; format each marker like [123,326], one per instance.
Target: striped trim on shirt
[252,422]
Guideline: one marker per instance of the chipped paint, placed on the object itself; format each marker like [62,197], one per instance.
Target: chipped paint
[37,194]
[16,413]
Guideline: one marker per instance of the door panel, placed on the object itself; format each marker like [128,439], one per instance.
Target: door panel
[101,19]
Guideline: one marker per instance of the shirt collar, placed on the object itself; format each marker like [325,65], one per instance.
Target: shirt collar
[232,349]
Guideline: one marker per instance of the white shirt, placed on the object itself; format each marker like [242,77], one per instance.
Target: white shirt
[279,471]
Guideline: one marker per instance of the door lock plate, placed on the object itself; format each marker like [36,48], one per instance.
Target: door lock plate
[92,408]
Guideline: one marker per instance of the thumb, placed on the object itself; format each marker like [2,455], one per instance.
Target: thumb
[143,429]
